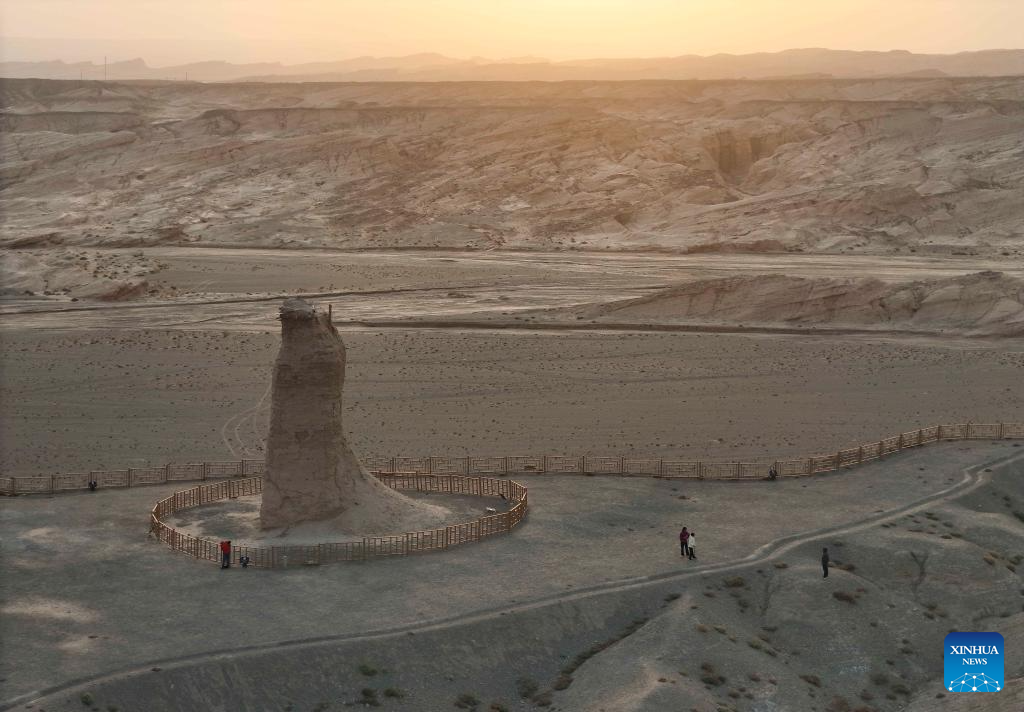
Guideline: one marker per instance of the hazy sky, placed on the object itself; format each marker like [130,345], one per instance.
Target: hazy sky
[291,31]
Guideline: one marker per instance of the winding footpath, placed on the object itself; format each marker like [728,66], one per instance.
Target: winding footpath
[973,478]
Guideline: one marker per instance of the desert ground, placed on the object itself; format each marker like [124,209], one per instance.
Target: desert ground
[696,270]
[185,374]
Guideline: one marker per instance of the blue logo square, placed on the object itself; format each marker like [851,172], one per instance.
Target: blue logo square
[974,662]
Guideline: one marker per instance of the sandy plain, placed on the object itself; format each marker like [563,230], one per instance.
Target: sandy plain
[176,377]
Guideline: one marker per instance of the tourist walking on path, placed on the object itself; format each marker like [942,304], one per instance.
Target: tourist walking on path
[684,540]
[690,544]
[824,562]
[225,554]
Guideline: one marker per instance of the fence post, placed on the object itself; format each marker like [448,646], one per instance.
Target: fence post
[700,470]
[544,464]
[206,469]
[505,464]
[661,467]
[167,471]
[1001,430]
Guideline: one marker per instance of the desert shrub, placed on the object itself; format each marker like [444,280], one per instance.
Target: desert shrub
[86,699]
[543,699]
[702,628]
[527,687]
[754,643]
[811,680]
[735,582]
[367,670]
[709,676]
[720,629]
[754,677]
[879,678]
[781,565]
[562,682]
[900,689]
[497,707]
[467,701]
[394,693]
[672,597]
[844,596]
[990,560]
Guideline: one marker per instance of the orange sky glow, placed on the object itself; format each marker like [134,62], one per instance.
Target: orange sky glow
[292,31]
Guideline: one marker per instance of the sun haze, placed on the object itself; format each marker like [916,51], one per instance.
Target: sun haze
[175,31]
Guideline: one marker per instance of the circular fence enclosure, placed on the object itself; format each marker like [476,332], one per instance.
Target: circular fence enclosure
[369,547]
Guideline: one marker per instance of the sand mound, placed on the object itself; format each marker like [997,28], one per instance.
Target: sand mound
[239,521]
[85,274]
[984,302]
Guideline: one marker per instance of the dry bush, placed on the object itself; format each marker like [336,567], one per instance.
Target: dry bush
[844,596]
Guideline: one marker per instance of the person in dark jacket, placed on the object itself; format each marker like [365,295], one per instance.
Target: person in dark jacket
[225,554]
[684,540]
[824,562]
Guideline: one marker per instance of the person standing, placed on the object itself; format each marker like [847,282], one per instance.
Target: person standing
[824,562]
[690,544]
[684,540]
[225,554]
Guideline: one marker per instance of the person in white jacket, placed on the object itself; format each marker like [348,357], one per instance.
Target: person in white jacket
[691,544]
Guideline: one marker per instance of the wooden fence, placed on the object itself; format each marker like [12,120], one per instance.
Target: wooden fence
[361,550]
[535,464]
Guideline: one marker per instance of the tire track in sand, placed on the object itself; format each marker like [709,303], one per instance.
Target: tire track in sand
[229,430]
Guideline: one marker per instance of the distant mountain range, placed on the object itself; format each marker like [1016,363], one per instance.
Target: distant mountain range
[436,67]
